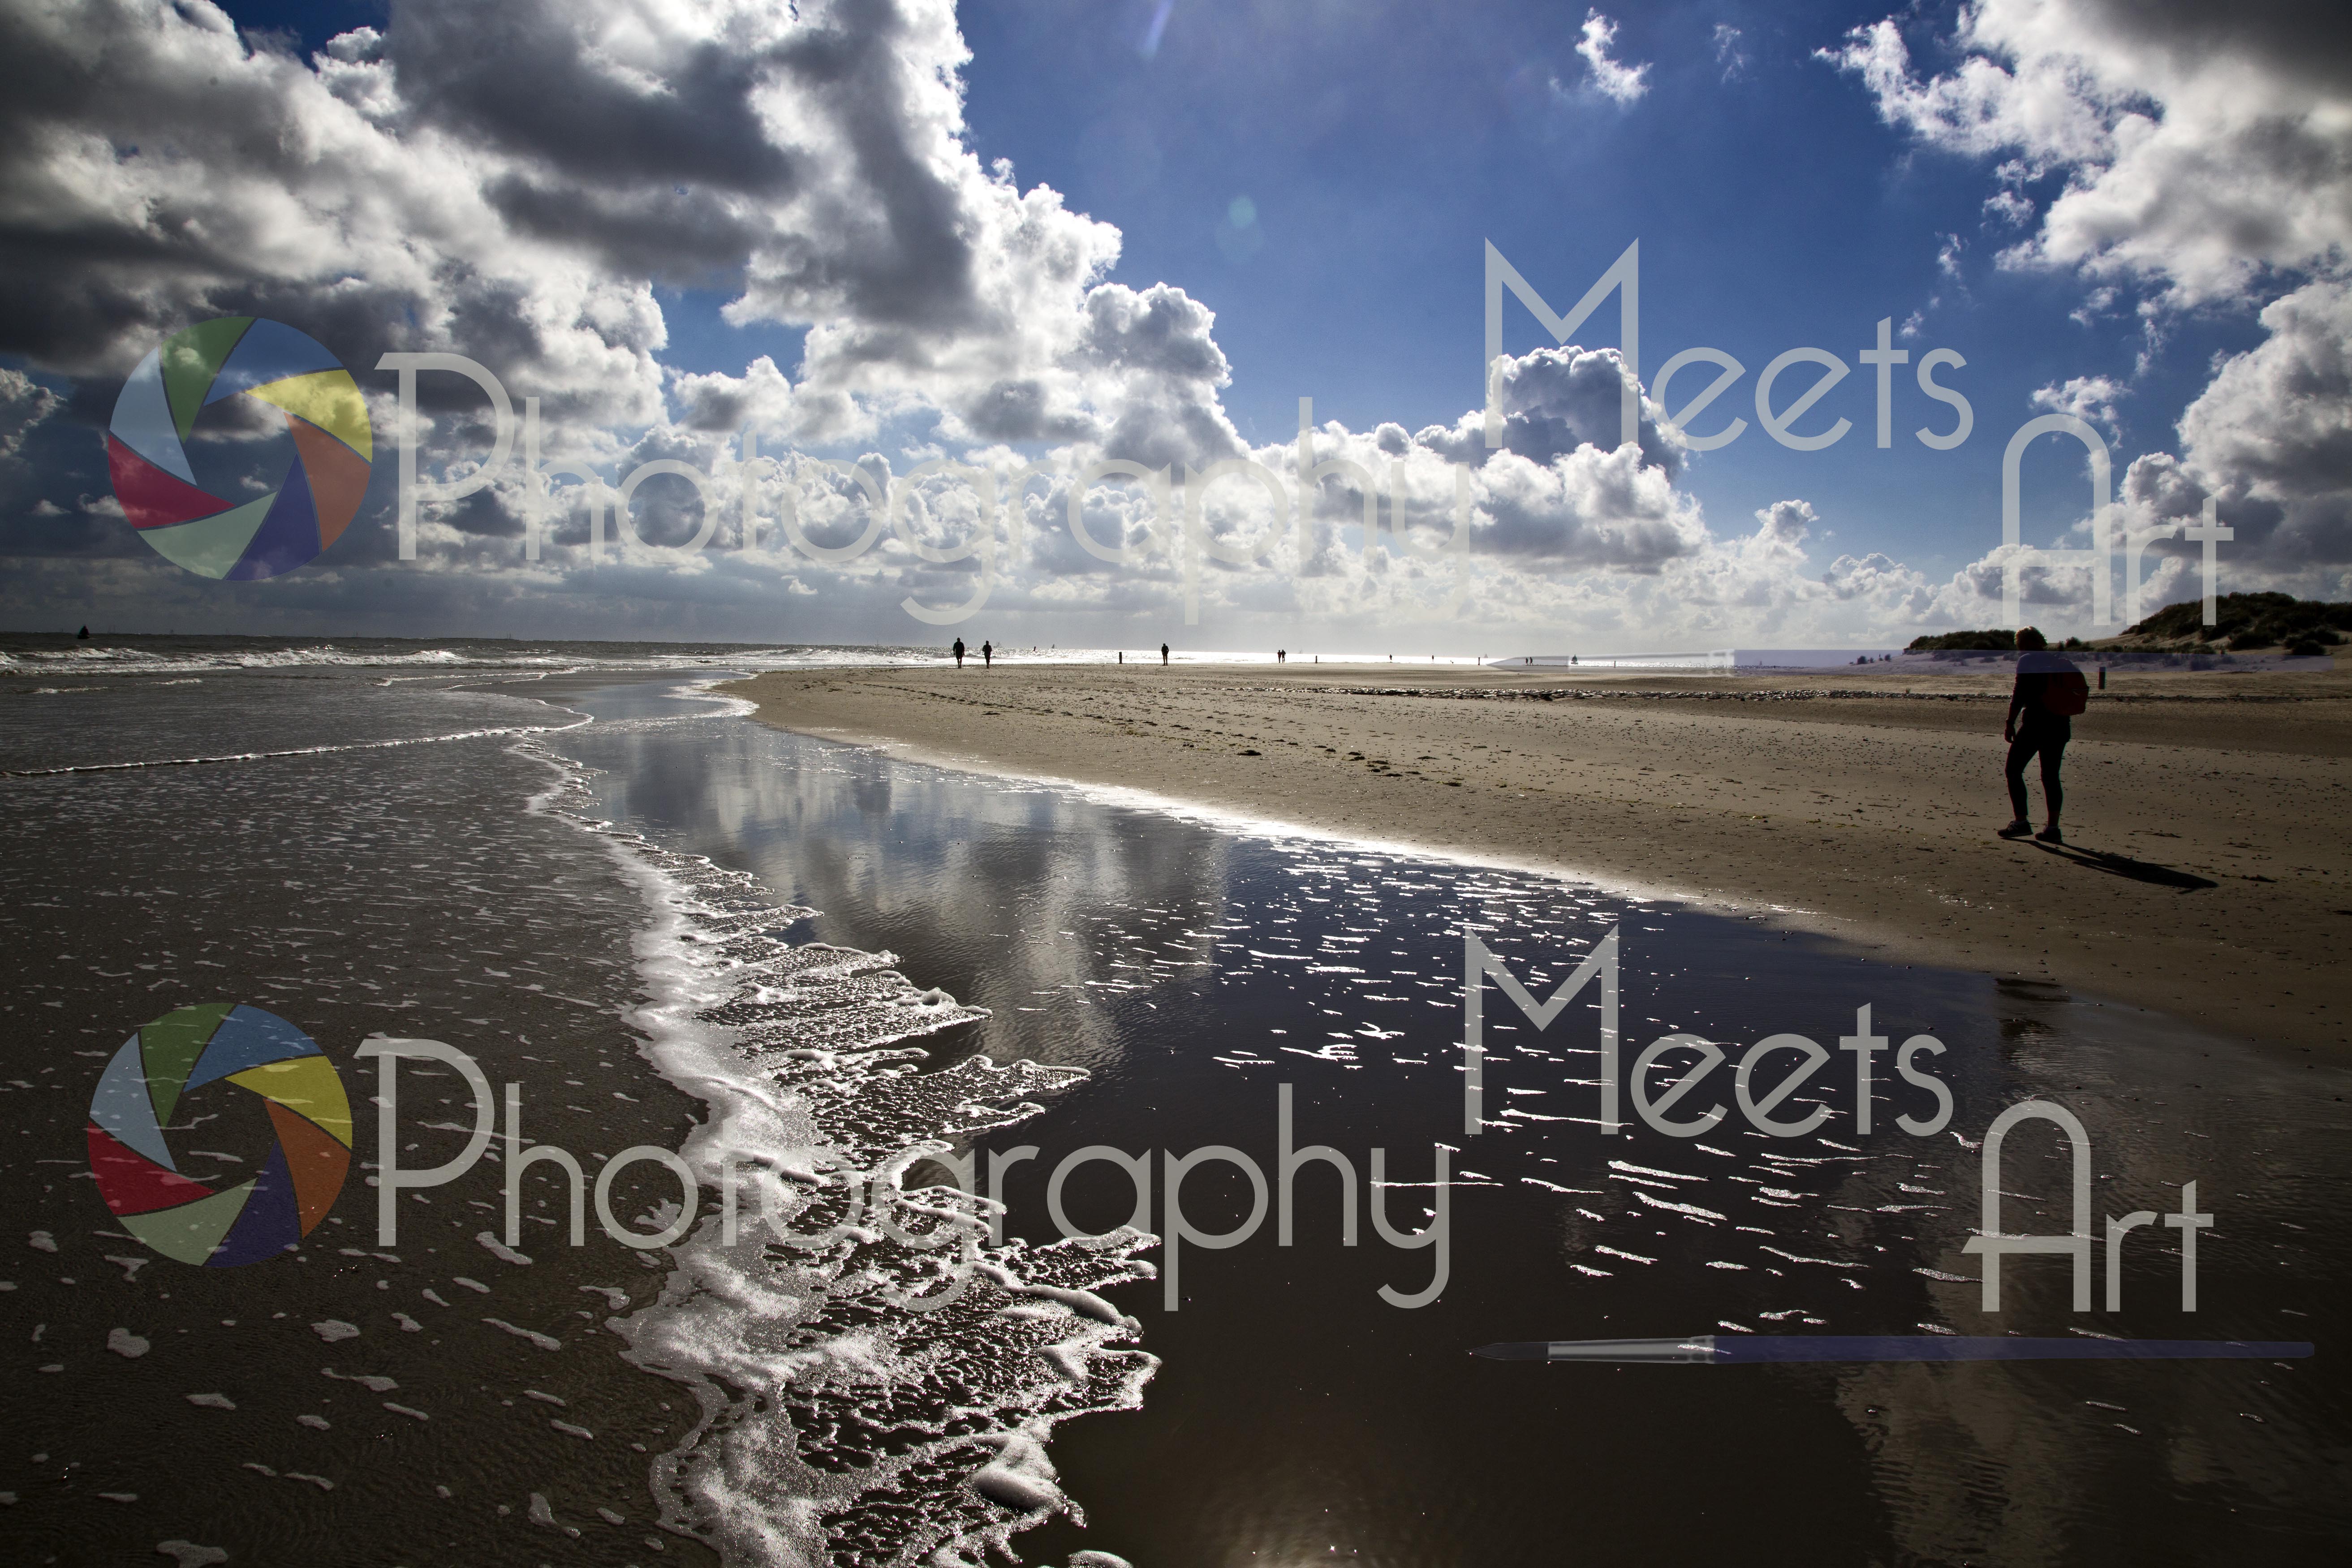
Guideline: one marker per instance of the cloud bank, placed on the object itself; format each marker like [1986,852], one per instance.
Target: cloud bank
[521,187]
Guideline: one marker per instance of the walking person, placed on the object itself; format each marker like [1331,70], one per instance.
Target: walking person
[959,653]
[988,655]
[2041,707]
[1163,653]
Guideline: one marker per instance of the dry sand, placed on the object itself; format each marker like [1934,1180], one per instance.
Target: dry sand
[2205,873]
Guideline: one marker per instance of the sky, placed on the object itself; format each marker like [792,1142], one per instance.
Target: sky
[910,253]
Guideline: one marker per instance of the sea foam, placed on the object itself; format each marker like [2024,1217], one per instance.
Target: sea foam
[880,1388]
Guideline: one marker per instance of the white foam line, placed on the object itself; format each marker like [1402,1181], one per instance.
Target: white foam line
[731,1328]
[293,752]
[729,707]
[440,662]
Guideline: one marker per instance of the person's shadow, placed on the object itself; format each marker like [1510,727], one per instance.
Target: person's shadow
[2125,866]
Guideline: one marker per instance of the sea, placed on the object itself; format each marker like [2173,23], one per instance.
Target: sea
[975,1170]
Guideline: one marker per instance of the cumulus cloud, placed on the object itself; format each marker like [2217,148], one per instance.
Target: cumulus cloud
[2046,579]
[2273,433]
[2269,441]
[514,186]
[1556,400]
[521,187]
[2199,145]
[2203,155]
[1899,593]
[1785,524]
[761,398]
[1761,587]
[2087,397]
[1589,507]
[23,404]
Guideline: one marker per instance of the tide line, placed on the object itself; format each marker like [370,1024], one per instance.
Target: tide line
[292,751]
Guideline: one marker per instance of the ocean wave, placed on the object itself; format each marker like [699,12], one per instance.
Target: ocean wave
[178,657]
[287,752]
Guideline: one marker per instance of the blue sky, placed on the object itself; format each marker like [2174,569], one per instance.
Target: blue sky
[1382,145]
[1789,182]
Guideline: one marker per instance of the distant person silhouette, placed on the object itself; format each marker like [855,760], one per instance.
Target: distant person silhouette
[959,653]
[988,655]
[2041,707]
[1282,656]
[1163,653]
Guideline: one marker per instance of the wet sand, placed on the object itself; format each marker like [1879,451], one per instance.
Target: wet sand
[2205,873]
[1296,1416]
[354,1402]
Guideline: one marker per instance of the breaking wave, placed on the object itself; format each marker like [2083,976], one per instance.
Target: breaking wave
[455,656]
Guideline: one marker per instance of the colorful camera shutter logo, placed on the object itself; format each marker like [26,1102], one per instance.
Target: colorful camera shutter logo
[195,1221]
[240,356]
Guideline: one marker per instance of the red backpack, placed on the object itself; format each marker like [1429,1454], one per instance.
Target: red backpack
[2065,693]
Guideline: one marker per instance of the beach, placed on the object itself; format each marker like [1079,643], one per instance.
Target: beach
[838,983]
[1855,803]
[357,853]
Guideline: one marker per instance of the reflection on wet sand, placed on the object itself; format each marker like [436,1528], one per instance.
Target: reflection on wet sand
[1191,971]
[1003,891]
[2066,1462]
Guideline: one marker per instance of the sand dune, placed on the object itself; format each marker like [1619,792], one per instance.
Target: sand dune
[2207,872]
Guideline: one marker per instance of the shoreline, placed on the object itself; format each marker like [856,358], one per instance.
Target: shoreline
[1855,806]
[438,898]
[733,1015]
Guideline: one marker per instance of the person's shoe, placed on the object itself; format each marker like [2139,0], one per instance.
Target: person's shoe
[2049,835]
[2017,829]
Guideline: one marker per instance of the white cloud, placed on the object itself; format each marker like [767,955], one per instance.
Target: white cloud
[1621,84]
[1896,592]
[516,194]
[23,404]
[2201,153]
[2010,206]
[1589,507]
[519,185]
[1760,587]
[2199,144]
[2095,304]
[2273,433]
[1785,524]
[1556,400]
[2088,397]
[762,398]
[515,190]
[1728,52]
